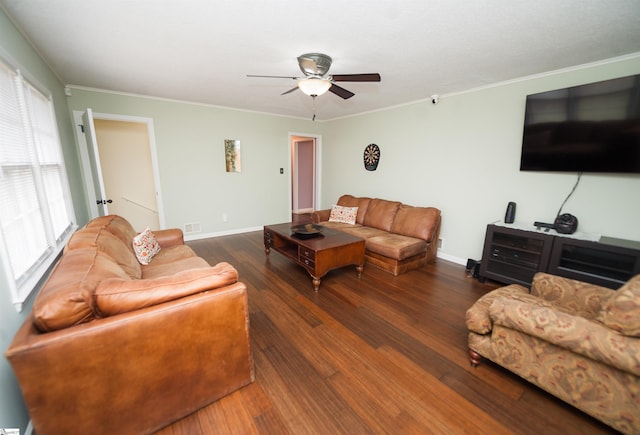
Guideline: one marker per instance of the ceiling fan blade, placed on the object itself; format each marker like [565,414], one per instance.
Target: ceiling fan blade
[274,77]
[374,77]
[341,92]
[289,91]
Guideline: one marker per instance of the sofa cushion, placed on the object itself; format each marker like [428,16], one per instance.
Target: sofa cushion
[578,297]
[343,214]
[380,214]
[622,312]
[172,260]
[104,240]
[65,299]
[84,238]
[576,334]
[116,295]
[171,254]
[396,246]
[352,201]
[362,231]
[420,222]
[117,225]
[341,226]
[145,246]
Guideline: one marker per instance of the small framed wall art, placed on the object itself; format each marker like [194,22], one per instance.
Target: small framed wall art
[232,156]
[371,157]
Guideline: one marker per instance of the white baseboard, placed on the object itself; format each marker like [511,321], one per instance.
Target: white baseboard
[451,258]
[442,255]
[303,210]
[221,233]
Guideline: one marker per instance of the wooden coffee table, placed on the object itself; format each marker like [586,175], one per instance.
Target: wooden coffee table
[318,255]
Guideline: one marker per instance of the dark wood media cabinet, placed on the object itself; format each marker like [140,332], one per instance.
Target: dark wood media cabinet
[513,255]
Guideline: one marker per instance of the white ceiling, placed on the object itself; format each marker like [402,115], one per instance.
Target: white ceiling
[202,50]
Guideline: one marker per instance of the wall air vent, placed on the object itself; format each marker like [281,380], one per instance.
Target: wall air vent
[193,227]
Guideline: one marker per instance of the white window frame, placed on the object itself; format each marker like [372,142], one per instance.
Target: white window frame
[21,287]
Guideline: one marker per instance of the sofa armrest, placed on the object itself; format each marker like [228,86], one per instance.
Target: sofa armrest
[117,295]
[477,317]
[574,333]
[320,216]
[169,237]
[581,298]
[135,372]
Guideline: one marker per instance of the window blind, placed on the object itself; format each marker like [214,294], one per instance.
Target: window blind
[36,214]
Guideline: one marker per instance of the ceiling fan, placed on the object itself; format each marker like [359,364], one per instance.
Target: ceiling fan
[315,67]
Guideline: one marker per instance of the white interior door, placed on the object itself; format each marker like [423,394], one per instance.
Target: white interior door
[100,197]
[120,168]
[127,171]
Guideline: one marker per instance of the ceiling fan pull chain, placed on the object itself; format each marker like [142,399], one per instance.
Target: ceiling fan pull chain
[314,107]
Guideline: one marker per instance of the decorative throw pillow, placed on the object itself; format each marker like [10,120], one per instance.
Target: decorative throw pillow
[145,246]
[343,214]
[622,311]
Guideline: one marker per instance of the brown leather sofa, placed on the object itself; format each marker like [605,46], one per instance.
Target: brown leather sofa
[578,341]
[399,237]
[113,346]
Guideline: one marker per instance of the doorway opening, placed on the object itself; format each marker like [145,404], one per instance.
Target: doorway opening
[118,157]
[304,155]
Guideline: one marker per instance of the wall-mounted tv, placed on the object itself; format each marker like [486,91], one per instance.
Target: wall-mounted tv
[587,128]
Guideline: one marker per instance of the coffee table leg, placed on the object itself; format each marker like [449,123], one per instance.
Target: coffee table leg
[316,283]
[360,269]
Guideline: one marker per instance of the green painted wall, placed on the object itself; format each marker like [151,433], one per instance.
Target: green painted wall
[190,153]
[463,156]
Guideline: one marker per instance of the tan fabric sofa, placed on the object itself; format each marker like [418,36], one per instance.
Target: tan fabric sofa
[578,341]
[112,346]
[399,237]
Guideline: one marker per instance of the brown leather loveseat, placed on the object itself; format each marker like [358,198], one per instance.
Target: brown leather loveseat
[399,237]
[114,346]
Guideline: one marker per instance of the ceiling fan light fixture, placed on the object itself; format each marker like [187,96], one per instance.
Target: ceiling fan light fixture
[314,86]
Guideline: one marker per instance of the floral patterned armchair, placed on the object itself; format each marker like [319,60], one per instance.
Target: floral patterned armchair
[578,341]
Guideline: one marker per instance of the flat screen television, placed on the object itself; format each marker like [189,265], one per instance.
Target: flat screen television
[587,128]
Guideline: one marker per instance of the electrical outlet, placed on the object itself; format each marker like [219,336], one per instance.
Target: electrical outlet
[224,217]
[439,243]
[282,170]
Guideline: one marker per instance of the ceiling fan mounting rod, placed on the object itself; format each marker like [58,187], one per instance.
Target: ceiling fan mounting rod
[314,64]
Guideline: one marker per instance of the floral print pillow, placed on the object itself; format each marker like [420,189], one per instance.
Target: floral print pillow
[145,246]
[343,214]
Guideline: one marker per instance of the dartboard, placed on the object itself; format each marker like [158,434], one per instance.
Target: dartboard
[371,157]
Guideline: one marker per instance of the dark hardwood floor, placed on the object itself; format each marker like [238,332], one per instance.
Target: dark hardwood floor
[379,354]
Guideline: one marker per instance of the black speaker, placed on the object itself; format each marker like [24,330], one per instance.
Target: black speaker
[566,224]
[510,214]
[473,268]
